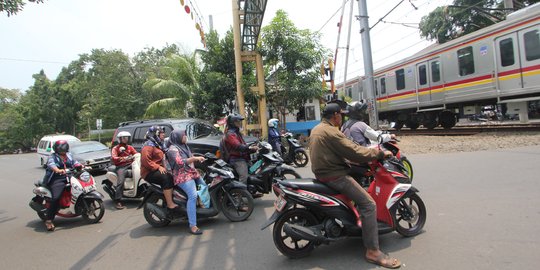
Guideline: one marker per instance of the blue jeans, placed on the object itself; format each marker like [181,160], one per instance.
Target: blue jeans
[190,188]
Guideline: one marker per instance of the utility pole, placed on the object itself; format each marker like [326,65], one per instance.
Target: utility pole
[348,48]
[368,65]
[332,85]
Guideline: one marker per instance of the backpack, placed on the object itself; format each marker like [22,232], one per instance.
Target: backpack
[223,150]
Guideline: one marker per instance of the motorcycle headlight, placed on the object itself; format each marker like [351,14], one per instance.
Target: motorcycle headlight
[85,177]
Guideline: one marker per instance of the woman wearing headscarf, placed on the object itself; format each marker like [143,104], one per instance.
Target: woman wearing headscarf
[184,173]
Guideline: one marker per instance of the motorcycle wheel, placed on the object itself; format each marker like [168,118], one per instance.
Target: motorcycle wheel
[410,215]
[94,212]
[301,159]
[287,245]
[152,219]
[408,166]
[240,197]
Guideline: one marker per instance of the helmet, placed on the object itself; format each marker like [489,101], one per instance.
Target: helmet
[273,123]
[357,110]
[335,106]
[233,118]
[61,146]
[122,134]
[153,134]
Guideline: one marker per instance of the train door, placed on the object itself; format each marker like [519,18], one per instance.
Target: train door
[436,81]
[508,63]
[382,96]
[422,84]
[529,48]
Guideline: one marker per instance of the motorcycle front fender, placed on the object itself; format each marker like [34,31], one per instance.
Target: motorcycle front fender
[234,184]
[93,195]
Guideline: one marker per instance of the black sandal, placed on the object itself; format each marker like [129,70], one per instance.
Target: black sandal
[197,232]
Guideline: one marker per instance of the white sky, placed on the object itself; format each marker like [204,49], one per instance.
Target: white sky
[52,34]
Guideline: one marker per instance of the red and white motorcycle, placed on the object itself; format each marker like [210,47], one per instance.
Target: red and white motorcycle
[80,197]
[308,213]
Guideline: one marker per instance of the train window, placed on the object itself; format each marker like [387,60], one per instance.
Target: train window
[376,88]
[532,45]
[383,86]
[422,74]
[466,61]
[400,79]
[435,71]
[506,47]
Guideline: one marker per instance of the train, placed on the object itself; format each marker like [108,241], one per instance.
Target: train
[495,66]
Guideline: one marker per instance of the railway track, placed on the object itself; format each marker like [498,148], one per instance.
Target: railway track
[468,130]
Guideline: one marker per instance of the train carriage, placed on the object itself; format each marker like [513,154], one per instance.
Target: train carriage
[499,64]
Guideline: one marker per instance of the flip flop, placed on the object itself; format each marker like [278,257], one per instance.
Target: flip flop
[386,261]
[49,225]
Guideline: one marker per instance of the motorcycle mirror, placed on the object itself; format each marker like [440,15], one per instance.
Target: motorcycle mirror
[392,124]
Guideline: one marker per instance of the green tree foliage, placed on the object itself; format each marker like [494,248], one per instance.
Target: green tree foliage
[12,7]
[218,78]
[178,79]
[463,17]
[292,57]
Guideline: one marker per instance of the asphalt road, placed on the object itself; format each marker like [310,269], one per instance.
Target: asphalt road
[483,213]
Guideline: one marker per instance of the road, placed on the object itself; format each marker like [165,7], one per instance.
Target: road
[483,213]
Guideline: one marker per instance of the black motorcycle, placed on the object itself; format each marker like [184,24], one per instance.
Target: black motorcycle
[266,165]
[294,152]
[226,195]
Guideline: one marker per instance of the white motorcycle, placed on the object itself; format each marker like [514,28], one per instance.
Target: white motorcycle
[134,185]
[80,198]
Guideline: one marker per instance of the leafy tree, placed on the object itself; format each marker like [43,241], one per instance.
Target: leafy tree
[217,91]
[12,7]
[292,57]
[172,90]
[463,17]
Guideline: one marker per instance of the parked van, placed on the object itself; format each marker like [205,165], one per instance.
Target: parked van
[44,148]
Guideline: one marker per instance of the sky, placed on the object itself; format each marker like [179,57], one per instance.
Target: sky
[50,35]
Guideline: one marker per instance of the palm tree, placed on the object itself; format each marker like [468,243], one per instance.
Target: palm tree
[178,78]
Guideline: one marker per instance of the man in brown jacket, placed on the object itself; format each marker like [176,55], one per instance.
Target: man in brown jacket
[329,152]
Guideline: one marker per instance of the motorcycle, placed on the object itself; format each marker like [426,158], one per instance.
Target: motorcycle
[134,185]
[226,195]
[80,197]
[266,166]
[308,213]
[294,153]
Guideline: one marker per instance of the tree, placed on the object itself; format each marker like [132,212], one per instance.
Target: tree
[9,99]
[463,17]
[292,57]
[173,89]
[217,90]
[12,7]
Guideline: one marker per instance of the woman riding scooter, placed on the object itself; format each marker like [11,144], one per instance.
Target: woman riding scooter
[185,175]
[55,177]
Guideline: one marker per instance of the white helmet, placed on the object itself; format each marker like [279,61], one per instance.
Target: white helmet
[122,134]
[273,123]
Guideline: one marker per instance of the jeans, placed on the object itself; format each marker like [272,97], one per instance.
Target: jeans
[368,210]
[241,167]
[57,186]
[120,179]
[190,188]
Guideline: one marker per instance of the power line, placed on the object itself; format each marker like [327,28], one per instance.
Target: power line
[331,17]
[33,61]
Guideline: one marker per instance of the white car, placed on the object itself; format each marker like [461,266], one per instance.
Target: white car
[44,147]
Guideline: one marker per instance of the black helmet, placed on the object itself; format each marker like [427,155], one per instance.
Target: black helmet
[357,110]
[153,134]
[233,118]
[61,146]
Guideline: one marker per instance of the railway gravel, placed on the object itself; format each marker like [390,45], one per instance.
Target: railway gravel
[478,142]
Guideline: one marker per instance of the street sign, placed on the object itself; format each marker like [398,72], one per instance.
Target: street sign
[99,123]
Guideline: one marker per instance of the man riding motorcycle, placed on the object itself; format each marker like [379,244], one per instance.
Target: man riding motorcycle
[55,177]
[357,130]
[274,138]
[122,157]
[330,149]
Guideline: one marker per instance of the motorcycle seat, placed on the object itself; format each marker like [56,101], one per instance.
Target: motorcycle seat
[111,168]
[309,184]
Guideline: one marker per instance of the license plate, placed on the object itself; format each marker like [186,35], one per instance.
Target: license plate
[280,203]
